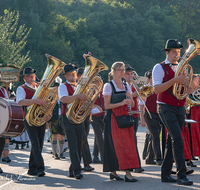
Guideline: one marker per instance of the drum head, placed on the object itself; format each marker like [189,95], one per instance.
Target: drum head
[4,115]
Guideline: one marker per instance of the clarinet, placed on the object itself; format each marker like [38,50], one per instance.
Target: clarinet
[129,106]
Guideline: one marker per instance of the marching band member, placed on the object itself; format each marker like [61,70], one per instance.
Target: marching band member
[119,143]
[74,132]
[3,94]
[5,155]
[194,128]
[129,74]
[153,124]
[36,134]
[57,132]
[98,126]
[171,111]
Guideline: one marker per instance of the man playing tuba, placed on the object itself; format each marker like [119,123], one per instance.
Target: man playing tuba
[74,132]
[36,134]
[171,111]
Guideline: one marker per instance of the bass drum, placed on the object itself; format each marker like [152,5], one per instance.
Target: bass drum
[11,119]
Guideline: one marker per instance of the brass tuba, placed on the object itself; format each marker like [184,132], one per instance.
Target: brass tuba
[36,114]
[77,111]
[184,69]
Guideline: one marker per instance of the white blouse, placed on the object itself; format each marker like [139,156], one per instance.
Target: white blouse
[107,89]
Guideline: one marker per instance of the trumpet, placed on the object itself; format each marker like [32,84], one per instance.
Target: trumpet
[132,83]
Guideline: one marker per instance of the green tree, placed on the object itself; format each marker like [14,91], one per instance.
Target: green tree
[13,40]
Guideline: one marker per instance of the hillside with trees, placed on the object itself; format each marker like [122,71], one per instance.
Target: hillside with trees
[131,31]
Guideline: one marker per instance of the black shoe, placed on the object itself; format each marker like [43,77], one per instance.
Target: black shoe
[139,170]
[31,172]
[193,158]
[96,160]
[172,172]
[78,176]
[115,177]
[184,181]
[4,159]
[17,146]
[169,179]
[189,172]
[158,162]
[148,162]
[129,180]
[61,156]
[8,159]
[1,171]
[27,145]
[40,174]
[56,157]
[191,164]
[71,175]
[88,168]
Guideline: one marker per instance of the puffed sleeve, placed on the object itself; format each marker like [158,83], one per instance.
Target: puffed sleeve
[107,90]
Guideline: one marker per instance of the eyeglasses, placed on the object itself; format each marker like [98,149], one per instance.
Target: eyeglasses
[121,70]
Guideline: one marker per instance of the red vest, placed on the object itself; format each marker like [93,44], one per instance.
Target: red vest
[166,97]
[29,94]
[99,104]
[135,108]
[2,94]
[29,91]
[70,92]
[151,103]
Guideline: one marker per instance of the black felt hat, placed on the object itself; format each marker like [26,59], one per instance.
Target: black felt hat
[28,71]
[69,68]
[80,71]
[172,44]
[129,68]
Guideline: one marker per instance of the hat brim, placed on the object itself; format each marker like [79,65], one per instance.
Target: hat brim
[172,48]
[75,68]
[29,73]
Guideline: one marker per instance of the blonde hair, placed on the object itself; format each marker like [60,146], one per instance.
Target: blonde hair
[114,66]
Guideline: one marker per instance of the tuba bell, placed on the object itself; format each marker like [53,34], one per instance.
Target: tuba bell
[77,111]
[36,114]
[184,69]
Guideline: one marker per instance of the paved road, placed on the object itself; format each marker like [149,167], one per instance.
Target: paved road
[57,173]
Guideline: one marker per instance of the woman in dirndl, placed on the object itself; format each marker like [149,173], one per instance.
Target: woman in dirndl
[119,143]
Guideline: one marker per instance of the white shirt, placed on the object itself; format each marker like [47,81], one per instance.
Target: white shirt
[62,90]
[107,89]
[158,73]
[4,92]
[21,94]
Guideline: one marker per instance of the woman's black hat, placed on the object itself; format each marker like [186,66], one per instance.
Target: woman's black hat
[172,44]
[69,68]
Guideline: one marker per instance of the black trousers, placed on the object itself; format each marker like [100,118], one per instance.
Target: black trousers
[154,127]
[74,133]
[146,145]
[2,143]
[36,136]
[87,159]
[173,118]
[98,127]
